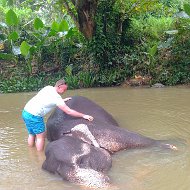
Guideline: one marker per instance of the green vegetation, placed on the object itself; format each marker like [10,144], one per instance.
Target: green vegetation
[42,42]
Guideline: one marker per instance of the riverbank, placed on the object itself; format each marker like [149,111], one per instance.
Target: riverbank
[13,78]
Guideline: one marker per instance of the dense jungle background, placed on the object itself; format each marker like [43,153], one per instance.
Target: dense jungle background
[93,43]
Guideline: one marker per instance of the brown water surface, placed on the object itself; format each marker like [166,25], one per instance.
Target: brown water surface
[157,113]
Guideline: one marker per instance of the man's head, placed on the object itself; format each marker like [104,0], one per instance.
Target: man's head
[61,86]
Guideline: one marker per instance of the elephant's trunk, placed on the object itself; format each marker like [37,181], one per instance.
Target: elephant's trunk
[165,144]
[89,178]
[122,139]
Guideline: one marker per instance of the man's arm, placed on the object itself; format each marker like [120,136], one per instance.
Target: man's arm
[74,113]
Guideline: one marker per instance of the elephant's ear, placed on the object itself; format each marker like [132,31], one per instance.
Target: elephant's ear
[50,166]
[65,171]
[82,132]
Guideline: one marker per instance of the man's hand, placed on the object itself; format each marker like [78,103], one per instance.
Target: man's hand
[88,117]
[66,99]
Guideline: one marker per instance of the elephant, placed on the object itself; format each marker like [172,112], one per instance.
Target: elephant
[78,162]
[80,151]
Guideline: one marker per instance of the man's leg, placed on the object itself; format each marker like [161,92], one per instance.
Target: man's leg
[31,140]
[40,141]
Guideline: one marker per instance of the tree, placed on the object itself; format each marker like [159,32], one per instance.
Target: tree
[83,14]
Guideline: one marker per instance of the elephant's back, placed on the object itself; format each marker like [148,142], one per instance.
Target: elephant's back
[87,106]
[60,123]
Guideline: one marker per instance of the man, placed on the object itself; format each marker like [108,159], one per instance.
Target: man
[42,103]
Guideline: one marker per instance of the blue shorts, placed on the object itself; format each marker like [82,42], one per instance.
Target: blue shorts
[34,124]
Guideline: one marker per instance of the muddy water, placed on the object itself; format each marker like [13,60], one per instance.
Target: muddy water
[157,113]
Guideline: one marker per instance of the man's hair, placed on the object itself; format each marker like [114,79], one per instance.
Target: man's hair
[60,82]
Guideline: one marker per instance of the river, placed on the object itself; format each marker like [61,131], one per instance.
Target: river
[159,113]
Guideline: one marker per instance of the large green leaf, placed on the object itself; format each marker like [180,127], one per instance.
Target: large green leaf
[72,32]
[69,70]
[153,50]
[38,24]
[11,18]
[187,8]
[13,36]
[33,49]
[24,48]
[55,26]
[63,26]
[52,33]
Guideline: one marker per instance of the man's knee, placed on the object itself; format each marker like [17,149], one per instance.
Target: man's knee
[41,135]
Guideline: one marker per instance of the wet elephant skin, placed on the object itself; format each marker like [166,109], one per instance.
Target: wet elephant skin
[104,127]
[70,156]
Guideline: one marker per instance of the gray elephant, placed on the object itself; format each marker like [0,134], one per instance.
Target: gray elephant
[80,151]
[78,161]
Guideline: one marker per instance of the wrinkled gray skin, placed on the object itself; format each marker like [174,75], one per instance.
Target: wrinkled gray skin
[78,162]
[72,153]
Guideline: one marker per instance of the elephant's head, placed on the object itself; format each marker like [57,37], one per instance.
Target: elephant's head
[77,158]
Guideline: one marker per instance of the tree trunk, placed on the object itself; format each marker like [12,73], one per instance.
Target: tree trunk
[86,10]
[84,20]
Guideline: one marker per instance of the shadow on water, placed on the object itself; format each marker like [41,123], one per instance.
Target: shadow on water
[157,113]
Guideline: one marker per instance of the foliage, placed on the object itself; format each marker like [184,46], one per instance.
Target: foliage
[27,84]
[106,44]
[131,37]
[31,44]
[150,28]
[122,25]
[177,61]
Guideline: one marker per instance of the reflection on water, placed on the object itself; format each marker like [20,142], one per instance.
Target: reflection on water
[157,113]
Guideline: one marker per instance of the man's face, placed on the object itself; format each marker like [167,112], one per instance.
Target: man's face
[62,88]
